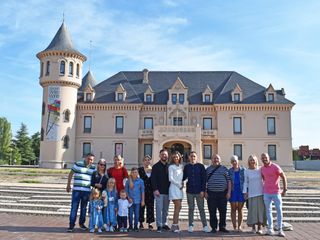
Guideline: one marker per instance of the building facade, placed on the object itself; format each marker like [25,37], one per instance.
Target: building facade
[135,113]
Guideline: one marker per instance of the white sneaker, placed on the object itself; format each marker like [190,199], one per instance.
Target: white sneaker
[92,230]
[190,229]
[270,232]
[99,230]
[107,228]
[281,234]
[260,232]
[206,229]
[111,229]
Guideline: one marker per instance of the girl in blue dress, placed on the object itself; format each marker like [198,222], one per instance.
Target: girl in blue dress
[236,173]
[95,208]
[111,206]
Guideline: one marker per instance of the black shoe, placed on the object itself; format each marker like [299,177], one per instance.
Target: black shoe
[130,229]
[150,227]
[70,229]
[213,230]
[159,229]
[166,228]
[223,230]
[83,227]
[141,226]
[136,229]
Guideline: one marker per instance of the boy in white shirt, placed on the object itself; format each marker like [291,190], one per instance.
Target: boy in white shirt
[123,211]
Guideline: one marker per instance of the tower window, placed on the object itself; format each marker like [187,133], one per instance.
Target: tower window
[41,69]
[48,68]
[66,141]
[78,70]
[62,67]
[71,69]
[66,116]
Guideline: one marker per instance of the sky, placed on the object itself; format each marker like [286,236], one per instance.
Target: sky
[267,41]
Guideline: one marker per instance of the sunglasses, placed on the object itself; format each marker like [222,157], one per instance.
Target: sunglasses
[102,164]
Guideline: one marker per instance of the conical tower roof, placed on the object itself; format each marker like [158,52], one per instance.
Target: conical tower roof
[62,42]
[86,80]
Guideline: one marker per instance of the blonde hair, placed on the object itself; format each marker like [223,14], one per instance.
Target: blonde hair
[94,191]
[179,155]
[234,158]
[254,157]
[111,180]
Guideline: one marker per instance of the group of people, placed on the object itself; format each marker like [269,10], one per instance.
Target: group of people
[118,198]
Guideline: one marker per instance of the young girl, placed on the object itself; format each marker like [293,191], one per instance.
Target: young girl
[135,190]
[123,206]
[110,208]
[95,207]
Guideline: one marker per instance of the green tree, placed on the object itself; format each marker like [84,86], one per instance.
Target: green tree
[5,141]
[24,145]
[35,139]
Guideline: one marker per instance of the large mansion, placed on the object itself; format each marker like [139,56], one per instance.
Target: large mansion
[134,113]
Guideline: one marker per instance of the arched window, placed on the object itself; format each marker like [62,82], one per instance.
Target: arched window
[62,67]
[66,141]
[42,134]
[66,115]
[71,69]
[78,70]
[48,68]
[41,69]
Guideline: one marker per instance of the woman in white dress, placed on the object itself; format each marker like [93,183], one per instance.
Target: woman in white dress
[175,189]
[253,191]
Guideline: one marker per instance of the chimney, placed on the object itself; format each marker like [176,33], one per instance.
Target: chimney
[145,75]
[283,92]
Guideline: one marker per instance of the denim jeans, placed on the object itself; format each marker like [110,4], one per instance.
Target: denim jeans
[276,198]
[162,206]
[217,200]
[82,198]
[134,210]
[200,204]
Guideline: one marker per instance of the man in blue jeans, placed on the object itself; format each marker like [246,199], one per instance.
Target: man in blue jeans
[82,171]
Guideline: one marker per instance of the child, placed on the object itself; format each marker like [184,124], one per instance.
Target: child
[95,207]
[123,205]
[135,190]
[111,205]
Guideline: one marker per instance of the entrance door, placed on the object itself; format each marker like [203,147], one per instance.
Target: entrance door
[183,148]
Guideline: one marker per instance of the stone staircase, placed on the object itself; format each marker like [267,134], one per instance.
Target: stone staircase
[298,206]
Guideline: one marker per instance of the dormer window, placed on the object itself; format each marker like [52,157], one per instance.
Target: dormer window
[270,97]
[181,98]
[236,97]
[148,98]
[88,97]
[120,97]
[62,67]
[207,98]
[174,98]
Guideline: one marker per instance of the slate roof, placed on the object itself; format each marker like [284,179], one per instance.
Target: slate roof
[222,84]
[62,42]
[86,80]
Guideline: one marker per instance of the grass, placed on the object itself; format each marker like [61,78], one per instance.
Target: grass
[30,181]
[34,170]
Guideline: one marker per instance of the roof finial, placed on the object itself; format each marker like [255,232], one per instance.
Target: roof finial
[90,54]
[63,17]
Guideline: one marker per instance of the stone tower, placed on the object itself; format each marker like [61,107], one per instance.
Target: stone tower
[60,78]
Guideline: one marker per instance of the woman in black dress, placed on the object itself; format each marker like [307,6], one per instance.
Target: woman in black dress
[145,175]
[99,177]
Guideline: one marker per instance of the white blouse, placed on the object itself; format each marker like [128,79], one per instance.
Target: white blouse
[175,178]
[253,184]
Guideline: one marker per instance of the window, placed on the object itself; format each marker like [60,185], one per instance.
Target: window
[177,121]
[207,123]
[148,98]
[174,98]
[41,69]
[207,151]
[88,97]
[71,69]
[66,116]
[62,67]
[271,125]
[120,97]
[236,97]
[66,141]
[42,134]
[147,150]
[207,98]
[78,70]
[272,151]
[48,68]
[86,148]
[148,123]
[270,97]
[87,124]
[118,149]
[237,150]
[181,98]
[119,124]
[237,128]
[43,108]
